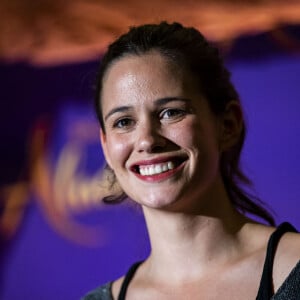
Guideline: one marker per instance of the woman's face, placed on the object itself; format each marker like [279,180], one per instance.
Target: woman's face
[161,139]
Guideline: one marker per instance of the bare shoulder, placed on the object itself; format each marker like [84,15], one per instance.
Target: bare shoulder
[116,287]
[289,246]
[286,258]
[256,237]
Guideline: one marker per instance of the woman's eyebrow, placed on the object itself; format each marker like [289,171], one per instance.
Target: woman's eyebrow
[116,110]
[166,100]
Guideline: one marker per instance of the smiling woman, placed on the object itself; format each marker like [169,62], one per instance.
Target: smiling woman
[172,130]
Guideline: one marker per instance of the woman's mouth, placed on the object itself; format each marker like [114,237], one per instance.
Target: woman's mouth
[159,170]
[156,168]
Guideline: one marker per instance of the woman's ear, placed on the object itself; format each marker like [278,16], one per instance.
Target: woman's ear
[231,126]
[104,146]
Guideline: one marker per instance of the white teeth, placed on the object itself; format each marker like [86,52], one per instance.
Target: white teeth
[156,169]
[170,165]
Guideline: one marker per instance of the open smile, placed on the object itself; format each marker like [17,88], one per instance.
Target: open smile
[157,170]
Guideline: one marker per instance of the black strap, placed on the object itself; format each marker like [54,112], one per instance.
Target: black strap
[127,280]
[266,288]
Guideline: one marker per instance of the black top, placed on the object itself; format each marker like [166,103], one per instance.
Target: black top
[266,288]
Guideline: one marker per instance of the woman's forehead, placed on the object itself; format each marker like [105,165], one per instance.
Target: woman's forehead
[134,63]
[147,71]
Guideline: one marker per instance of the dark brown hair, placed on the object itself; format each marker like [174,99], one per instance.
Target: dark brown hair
[189,49]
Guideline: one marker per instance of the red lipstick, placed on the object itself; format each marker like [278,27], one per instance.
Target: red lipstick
[168,167]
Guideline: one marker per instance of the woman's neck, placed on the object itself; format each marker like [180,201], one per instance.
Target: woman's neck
[186,245]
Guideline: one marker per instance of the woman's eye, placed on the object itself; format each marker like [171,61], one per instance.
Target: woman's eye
[172,113]
[123,123]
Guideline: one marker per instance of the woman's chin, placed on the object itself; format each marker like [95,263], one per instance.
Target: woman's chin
[160,201]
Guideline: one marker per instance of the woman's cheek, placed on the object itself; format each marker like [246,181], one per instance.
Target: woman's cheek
[119,149]
[179,134]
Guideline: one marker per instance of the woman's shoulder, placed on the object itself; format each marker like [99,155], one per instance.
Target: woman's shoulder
[287,258]
[284,238]
[103,292]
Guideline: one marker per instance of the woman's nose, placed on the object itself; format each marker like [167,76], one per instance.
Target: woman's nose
[149,138]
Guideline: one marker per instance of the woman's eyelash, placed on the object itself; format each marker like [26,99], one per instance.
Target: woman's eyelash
[123,122]
[172,112]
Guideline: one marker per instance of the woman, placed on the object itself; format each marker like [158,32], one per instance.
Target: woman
[172,130]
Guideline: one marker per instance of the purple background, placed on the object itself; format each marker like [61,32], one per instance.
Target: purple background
[39,263]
